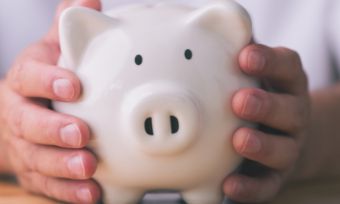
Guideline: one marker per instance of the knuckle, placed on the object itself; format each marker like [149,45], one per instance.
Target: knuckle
[295,58]
[292,55]
[296,63]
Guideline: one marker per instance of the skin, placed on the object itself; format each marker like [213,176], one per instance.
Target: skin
[45,149]
[308,151]
[286,109]
[31,134]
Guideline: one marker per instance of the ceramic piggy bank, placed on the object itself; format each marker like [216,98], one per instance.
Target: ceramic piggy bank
[157,85]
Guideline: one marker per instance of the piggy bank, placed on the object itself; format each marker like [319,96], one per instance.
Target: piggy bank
[157,83]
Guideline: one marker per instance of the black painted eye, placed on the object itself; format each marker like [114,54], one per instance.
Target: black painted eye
[188,54]
[138,59]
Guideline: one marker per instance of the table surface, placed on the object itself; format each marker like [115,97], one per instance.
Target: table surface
[315,192]
[11,194]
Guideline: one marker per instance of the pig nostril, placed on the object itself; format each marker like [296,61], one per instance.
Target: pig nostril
[148,126]
[174,124]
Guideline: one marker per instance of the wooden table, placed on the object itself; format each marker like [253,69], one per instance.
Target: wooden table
[315,192]
[12,194]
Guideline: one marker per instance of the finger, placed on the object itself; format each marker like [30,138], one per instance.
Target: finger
[32,75]
[281,67]
[68,191]
[53,34]
[287,113]
[268,150]
[53,161]
[42,126]
[246,189]
[34,78]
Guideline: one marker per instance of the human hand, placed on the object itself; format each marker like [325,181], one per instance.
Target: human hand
[46,150]
[286,109]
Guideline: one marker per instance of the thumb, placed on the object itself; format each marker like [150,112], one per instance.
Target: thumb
[53,34]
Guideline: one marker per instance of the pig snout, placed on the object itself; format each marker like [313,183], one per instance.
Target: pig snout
[161,119]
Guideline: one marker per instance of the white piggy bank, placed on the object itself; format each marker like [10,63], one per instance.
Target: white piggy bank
[157,86]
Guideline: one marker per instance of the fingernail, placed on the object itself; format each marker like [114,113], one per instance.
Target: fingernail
[76,166]
[237,188]
[252,105]
[63,88]
[74,2]
[253,144]
[71,135]
[256,61]
[77,3]
[84,195]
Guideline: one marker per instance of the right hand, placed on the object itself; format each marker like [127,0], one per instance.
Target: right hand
[46,150]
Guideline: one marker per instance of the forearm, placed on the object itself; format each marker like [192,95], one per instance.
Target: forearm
[320,155]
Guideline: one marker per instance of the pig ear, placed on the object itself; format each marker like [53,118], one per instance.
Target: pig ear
[227,19]
[77,27]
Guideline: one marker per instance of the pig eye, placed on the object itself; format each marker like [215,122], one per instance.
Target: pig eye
[138,59]
[188,54]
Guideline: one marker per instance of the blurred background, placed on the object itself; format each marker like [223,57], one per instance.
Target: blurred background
[17,20]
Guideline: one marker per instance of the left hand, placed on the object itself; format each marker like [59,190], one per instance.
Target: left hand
[46,150]
[286,109]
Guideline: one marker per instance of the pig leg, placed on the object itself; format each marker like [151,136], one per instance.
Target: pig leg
[204,195]
[116,195]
